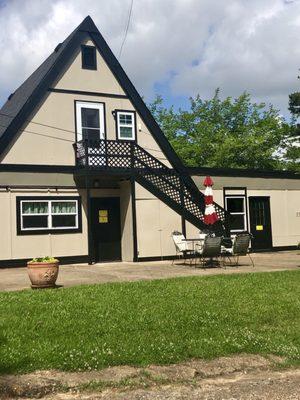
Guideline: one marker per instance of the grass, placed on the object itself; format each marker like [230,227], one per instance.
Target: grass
[150,322]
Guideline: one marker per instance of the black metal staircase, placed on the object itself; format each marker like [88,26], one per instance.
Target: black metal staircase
[174,189]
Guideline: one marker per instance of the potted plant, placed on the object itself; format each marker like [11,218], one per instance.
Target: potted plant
[43,272]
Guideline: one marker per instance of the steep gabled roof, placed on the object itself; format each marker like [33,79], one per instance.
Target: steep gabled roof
[31,93]
[18,99]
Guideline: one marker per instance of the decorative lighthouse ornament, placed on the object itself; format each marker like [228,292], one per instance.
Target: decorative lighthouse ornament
[210,215]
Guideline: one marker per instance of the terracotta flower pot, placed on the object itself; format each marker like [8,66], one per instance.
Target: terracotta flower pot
[43,274]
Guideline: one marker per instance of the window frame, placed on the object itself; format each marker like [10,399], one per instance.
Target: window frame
[133,126]
[100,106]
[237,196]
[50,229]
[83,64]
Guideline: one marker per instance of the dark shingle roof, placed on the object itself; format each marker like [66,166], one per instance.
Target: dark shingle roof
[19,98]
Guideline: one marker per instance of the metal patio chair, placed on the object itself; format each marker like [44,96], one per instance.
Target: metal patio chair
[210,249]
[240,247]
[182,246]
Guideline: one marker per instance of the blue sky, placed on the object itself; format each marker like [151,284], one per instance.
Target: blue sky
[175,48]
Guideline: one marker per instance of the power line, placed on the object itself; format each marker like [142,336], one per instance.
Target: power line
[37,123]
[59,129]
[42,134]
[126,30]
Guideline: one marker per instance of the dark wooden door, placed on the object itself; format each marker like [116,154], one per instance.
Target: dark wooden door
[106,228]
[260,223]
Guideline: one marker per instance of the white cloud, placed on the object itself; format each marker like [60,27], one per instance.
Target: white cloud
[194,45]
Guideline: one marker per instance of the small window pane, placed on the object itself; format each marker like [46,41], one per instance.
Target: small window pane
[63,207]
[89,57]
[235,204]
[35,207]
[237,222]
[90,118]
[125,119]
[63,221]
[35,221]
[91,134]
[126,133]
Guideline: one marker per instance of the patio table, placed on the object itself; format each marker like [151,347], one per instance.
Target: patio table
[194,241]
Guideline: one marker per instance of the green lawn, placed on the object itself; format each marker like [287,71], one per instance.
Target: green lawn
[139,323]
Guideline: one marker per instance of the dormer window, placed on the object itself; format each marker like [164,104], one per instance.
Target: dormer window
[88,55]
[125,125]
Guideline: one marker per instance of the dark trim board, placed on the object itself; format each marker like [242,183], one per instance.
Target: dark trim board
[21,262]
[134,224]
[84,93]
[68,169]
[245,173]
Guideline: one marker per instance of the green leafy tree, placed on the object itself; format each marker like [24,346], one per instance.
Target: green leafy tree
[234,133]
[294,104]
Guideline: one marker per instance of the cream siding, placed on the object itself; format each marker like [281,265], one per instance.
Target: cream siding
[155,223]
[101,80]
[48,137]
[27,246]
[13,246]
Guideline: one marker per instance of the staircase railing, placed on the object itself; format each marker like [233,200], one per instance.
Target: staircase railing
[165,183]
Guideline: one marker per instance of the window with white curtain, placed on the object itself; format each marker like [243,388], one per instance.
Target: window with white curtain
[48,214]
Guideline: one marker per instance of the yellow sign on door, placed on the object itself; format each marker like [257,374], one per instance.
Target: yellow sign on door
[103,216]
[259,227]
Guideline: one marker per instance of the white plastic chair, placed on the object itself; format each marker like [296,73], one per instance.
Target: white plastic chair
[182,246]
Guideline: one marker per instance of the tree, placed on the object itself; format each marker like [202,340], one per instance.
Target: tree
[234,133]
[294,104]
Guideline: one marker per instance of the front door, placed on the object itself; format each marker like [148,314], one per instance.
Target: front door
[260,223]
[106,228]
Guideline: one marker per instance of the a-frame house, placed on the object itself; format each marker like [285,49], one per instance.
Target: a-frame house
[86,172]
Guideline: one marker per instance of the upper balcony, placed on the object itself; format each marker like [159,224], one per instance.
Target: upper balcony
[115,156]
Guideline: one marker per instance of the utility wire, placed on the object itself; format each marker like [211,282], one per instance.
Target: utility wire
[127,27]
[38,123]
[60,129]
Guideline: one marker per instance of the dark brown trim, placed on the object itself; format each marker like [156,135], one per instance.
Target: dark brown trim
[69,169]
[84,93]
[115,114]
[34,232]
[245,173]
[22,262]
[134,225]
[8,187]
[83,64]
[89,224]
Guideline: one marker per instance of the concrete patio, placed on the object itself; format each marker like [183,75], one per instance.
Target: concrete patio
[83,274]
